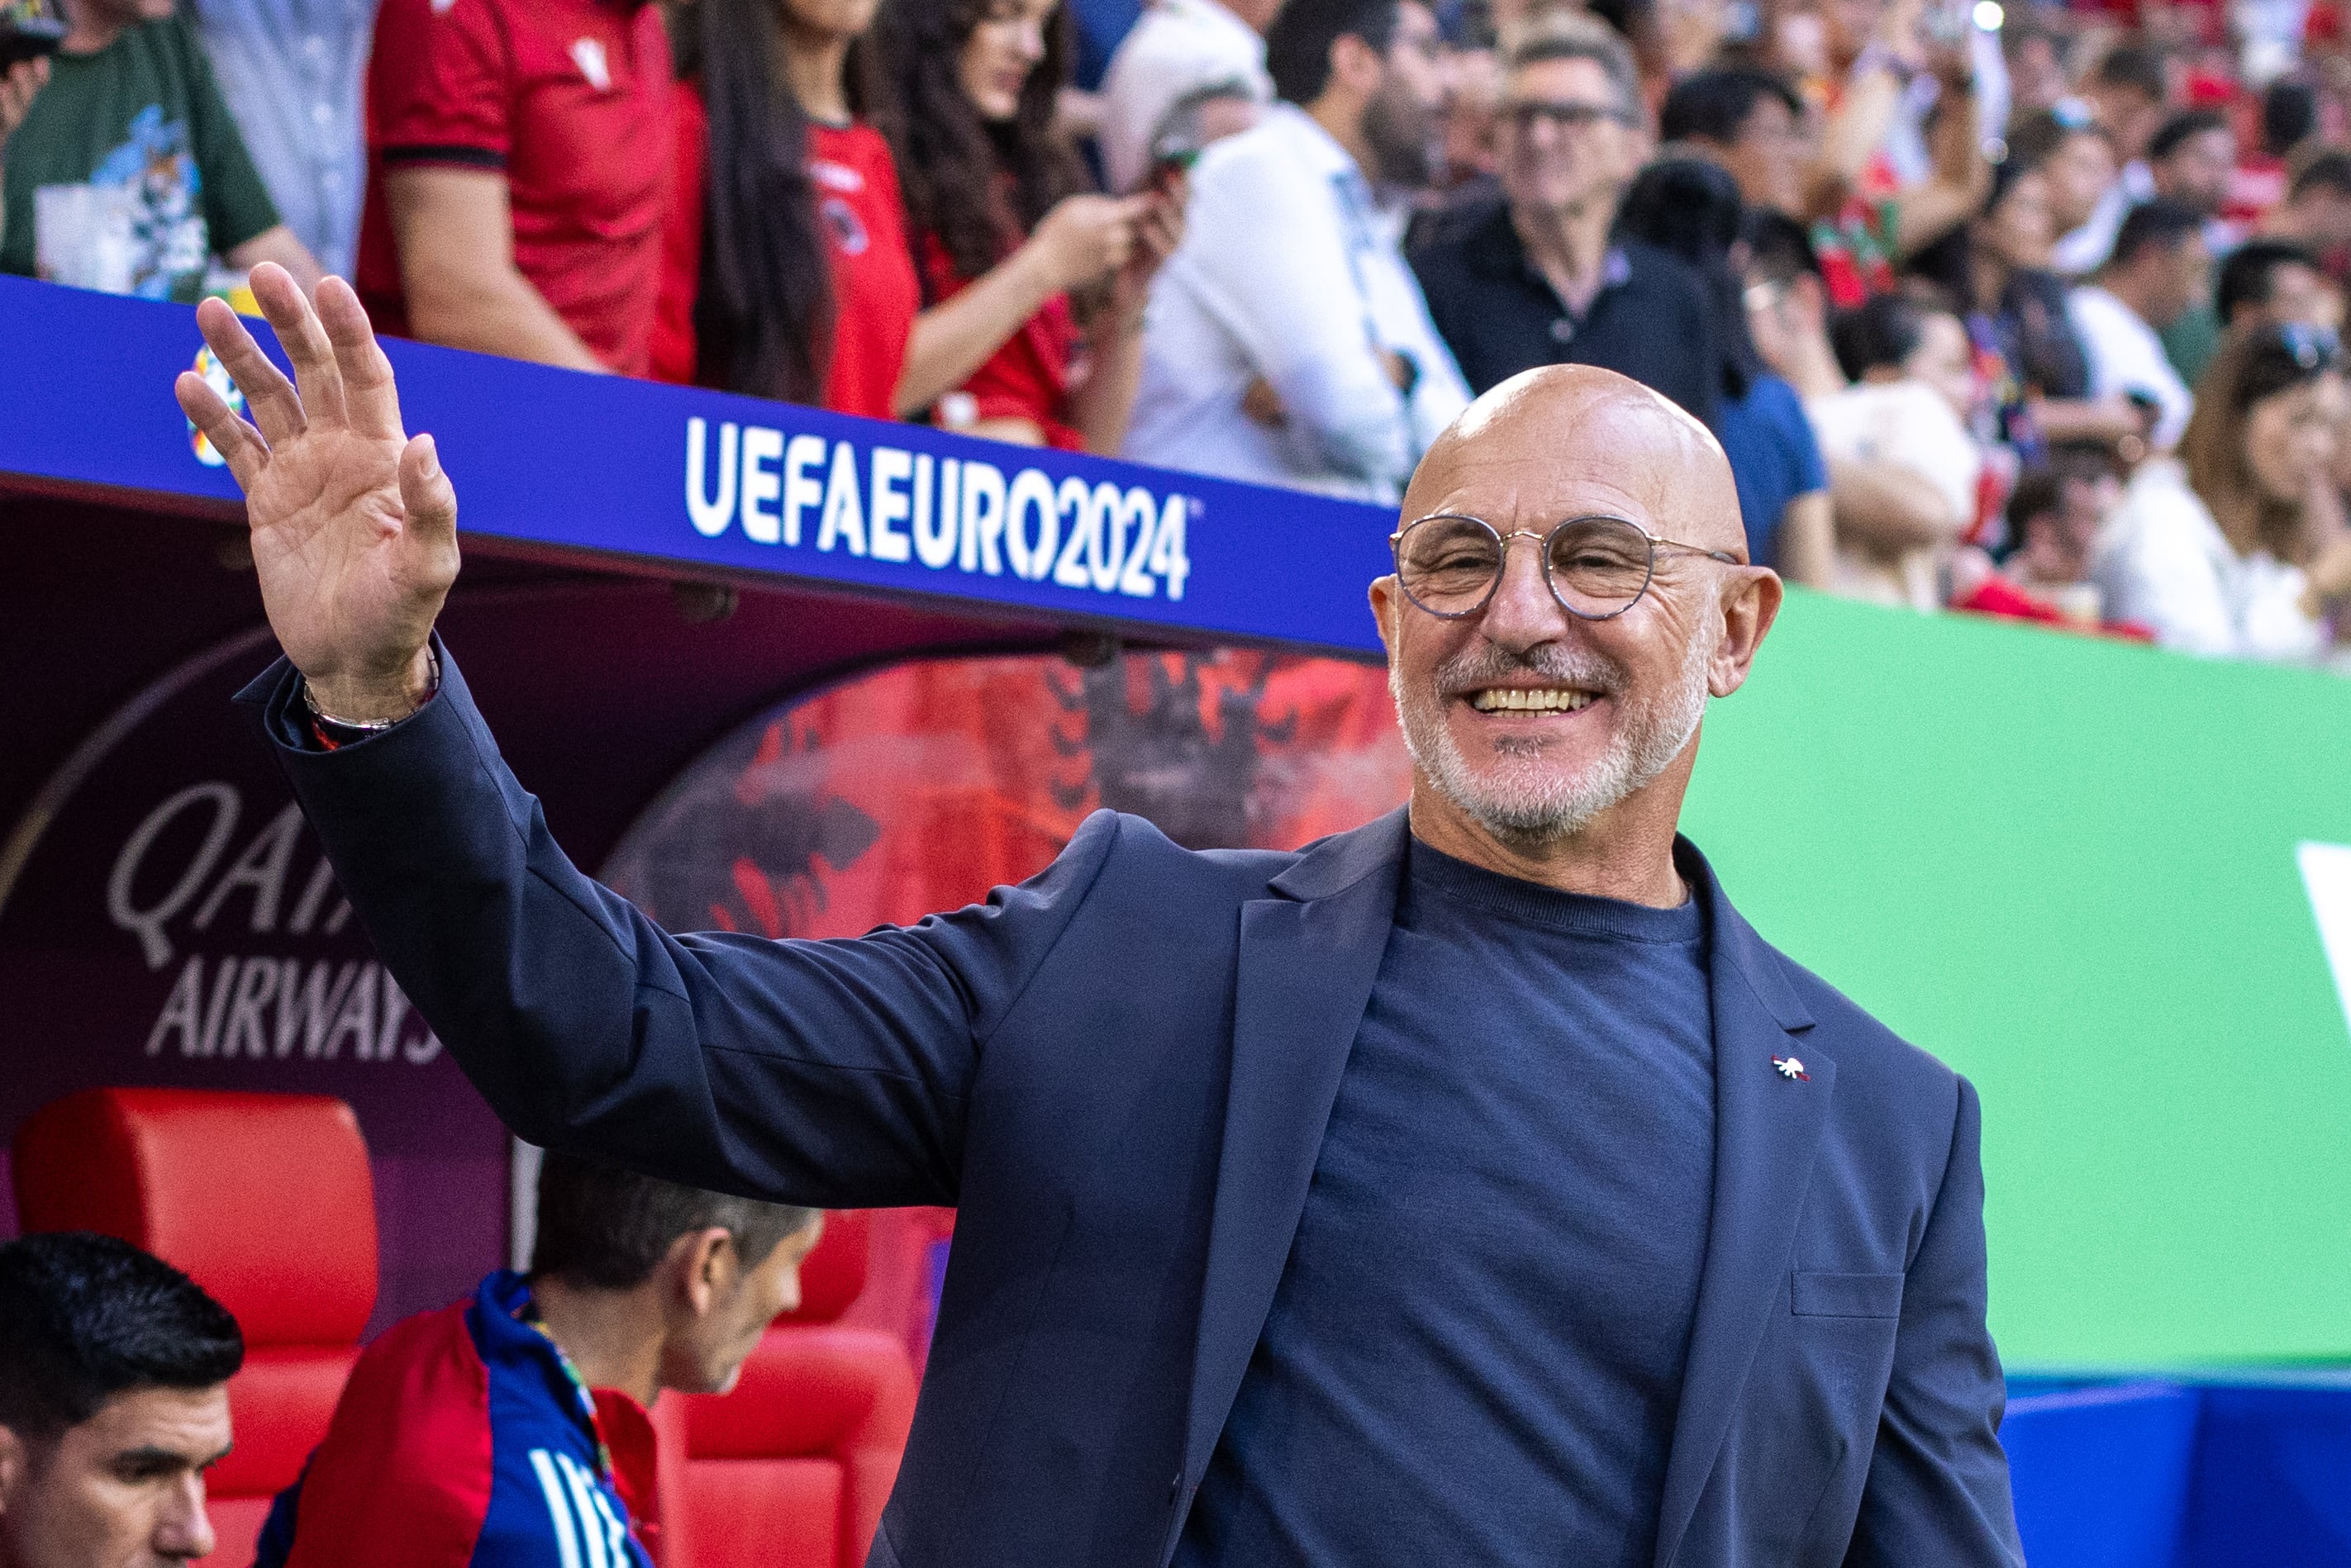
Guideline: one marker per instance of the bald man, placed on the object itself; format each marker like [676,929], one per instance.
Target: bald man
[1476,1187]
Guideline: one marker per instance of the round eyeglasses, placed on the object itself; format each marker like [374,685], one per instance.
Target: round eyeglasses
[1597,568]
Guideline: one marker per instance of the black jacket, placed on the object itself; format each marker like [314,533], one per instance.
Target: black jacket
[1650,320]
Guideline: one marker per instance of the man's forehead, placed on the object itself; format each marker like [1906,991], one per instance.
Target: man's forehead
[1525,491]
[1569,441]
[190,1421]
[1559,73]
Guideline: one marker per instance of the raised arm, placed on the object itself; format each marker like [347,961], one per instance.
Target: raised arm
[832,1073]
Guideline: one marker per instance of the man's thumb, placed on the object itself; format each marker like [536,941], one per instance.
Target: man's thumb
[426,492]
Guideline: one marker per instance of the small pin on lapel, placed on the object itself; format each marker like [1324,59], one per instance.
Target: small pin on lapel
[1790,1068]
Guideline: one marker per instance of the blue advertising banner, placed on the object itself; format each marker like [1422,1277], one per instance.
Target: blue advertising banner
[720,483]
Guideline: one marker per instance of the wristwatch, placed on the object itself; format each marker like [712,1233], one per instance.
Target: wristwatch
[335,733]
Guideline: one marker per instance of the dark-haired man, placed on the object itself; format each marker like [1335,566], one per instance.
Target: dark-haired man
[114,1368]
[2159,270]
[2271,283]
[2316,212]
[1538,276]
[510,1430]
[2190,160]
[2127,92]
[1287,342]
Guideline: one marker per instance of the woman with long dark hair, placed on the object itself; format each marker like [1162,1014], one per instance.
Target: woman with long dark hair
[1036,286]
[1690,207]
[789,272]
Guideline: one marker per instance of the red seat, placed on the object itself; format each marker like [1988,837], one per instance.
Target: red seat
[263,1200]
[790,1469]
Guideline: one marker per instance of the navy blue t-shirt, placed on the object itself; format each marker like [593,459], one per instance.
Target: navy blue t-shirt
[1476,1349]
[1774,458]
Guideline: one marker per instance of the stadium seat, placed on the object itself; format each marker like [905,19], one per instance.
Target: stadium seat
[265,1201]
[790,1469]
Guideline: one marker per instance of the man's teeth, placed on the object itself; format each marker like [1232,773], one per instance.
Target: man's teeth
[1529,700]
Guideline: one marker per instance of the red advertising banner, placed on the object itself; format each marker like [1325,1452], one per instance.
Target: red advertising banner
[920,787]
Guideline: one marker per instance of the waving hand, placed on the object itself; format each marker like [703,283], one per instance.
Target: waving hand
[354,524]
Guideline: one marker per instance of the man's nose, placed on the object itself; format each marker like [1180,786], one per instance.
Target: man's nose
[1522,612]
[183,1531]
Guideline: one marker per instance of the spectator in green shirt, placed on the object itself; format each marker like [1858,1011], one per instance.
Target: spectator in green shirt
[127,173]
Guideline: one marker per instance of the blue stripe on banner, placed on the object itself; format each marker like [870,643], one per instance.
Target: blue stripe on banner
[721,483]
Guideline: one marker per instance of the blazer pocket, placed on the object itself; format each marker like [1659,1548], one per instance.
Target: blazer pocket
[1816,1295]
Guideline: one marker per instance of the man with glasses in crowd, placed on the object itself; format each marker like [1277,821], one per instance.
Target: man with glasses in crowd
[1537,278]
[1473,1186]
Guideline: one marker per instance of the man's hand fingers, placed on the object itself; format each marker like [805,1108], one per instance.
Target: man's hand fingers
[426,492]
[235,441]
[276,409]
[369,399]
[304,342]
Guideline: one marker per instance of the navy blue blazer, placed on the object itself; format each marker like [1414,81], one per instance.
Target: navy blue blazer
[1119,1072]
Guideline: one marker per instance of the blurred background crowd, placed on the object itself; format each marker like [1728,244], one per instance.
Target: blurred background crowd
[2015,307]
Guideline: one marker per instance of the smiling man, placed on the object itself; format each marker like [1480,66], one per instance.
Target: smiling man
[113,1403]
[1473,1186]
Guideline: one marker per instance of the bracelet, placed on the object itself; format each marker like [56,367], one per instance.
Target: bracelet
[362,728]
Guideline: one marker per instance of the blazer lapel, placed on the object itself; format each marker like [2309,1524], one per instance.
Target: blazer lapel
[1308,961]
[1768,1128]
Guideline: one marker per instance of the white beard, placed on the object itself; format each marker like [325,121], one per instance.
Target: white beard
[1524,800]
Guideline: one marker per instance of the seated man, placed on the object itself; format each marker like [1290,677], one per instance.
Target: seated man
[113,1403]
[126,174]
[470,1436]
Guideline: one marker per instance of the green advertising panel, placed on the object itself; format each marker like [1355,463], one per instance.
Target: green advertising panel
[2099,879]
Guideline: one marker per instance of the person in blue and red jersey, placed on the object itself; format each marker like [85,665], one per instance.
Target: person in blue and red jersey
[510,1430]
[519,176]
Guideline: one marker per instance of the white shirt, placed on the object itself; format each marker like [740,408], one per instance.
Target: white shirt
[2125,356]
[1177,49]
[1291,271]
[2163,562]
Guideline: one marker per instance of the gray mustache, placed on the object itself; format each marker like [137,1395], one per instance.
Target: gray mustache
[1550,661]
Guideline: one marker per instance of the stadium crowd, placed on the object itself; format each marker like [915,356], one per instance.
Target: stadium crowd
[2028,311]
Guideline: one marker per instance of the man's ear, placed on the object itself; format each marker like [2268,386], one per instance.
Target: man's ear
[1384,599]
[1356,68]
[1812,300]
[14,1463]
[701,1267]
[1750,603]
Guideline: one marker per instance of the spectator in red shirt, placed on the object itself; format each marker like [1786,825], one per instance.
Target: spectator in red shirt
[519,172]
[1006,230]
[788,274]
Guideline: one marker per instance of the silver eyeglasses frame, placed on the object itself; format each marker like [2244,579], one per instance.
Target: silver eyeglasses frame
[1543,540]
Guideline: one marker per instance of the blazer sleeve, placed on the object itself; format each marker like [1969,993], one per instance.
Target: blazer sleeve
[1938,1490]
[830,1073]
